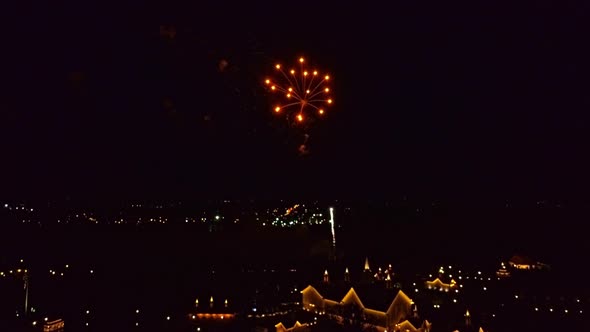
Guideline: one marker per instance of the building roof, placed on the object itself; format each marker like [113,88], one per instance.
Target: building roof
[400,306]
[371,296]
[296,327]
[296,324]
[352,297]
[436,282]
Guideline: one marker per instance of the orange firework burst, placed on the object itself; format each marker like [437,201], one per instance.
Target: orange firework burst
[305,92]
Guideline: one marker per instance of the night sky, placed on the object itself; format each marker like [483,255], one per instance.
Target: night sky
[466,101]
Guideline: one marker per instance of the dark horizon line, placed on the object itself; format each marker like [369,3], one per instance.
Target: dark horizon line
[473,200]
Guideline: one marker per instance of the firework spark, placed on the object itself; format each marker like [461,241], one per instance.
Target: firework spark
[332,227]
[305,92]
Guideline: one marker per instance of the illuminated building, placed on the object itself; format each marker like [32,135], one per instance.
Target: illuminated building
[367,276]
[379,275]
[394,317]
[521,262]
[56,325]
[437,284]
[388,282]
[525,263]
[503,272]
[298,327]
[467,319]
[217,312]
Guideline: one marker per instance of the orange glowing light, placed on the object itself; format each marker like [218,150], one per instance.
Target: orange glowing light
[304,95]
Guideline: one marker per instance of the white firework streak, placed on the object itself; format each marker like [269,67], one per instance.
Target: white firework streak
[332,226]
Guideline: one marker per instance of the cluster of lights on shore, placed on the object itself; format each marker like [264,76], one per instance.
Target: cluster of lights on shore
[294,216]
[269,217]
[87,312]
[302,89]
[479,277]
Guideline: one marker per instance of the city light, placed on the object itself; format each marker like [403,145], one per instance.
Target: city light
[506,295]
